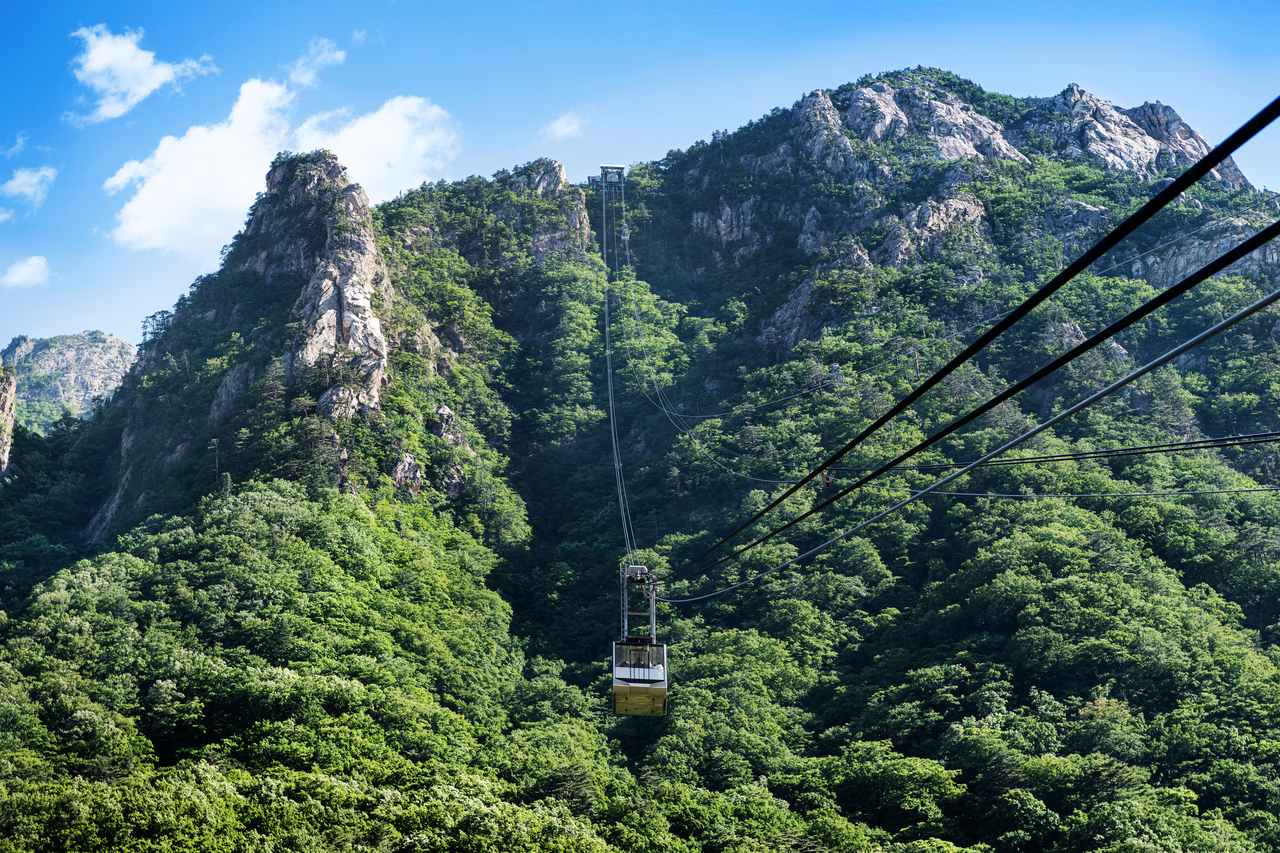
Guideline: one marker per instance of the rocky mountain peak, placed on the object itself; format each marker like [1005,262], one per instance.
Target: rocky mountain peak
[1180,145]
[568,235]
[879,111]
[545,177]
[318,172]
[1082,125]
[820,131]
[1077,124]
[313,222]
[67,372]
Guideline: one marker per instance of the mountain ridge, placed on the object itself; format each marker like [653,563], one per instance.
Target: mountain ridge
[65,373]
[351,574]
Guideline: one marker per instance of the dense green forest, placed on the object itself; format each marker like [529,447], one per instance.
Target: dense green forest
[233,620]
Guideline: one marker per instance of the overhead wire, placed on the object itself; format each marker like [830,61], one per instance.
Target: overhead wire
[1090,256]
[1110,453]
[1216,329]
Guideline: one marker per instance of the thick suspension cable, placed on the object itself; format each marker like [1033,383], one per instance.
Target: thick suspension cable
[1217,265]
[1261,304]
[1091,256]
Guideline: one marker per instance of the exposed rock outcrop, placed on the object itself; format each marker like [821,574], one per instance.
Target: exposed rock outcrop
[820,131]
[566,235]
[734,227]
[8,411]
[1180,145]
[345,272]
[407,473]
[237,380]
[1076,224]
[792,323]
[1166,267]
[936,217]
[448,428]
[68,371]
[879,112]
[1145,139]
[1081,125]
[102,519]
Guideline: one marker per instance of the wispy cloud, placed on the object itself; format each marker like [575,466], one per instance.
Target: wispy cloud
[306,68]
[31,184]
[15,149]
[28,272]
[5,214]
[357,37]
[568,126]
[123,74]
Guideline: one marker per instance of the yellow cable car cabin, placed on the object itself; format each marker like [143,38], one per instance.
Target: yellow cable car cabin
[640,677]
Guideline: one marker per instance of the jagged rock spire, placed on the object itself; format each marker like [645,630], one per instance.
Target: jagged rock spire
[312,221]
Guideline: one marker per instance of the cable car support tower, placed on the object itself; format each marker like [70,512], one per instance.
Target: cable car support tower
[639,660]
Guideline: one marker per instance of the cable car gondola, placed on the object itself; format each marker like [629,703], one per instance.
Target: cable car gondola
[639,660]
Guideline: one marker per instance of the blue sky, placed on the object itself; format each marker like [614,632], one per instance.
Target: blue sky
[134,135]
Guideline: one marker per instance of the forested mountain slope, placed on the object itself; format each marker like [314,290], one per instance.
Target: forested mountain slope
[336,568]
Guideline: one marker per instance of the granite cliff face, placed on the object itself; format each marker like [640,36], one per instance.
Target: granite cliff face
[1145,139]
[345,275]
[879,112]
[1165,267]
[8,407]
[309,239]
[67,372]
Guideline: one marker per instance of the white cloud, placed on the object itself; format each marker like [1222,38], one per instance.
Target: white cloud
[5,214]
[16,149]
[395,148]
[193,191]
[123,74]
[568,125]
[357,37]
[321,52]
[30,272]
[31,184]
